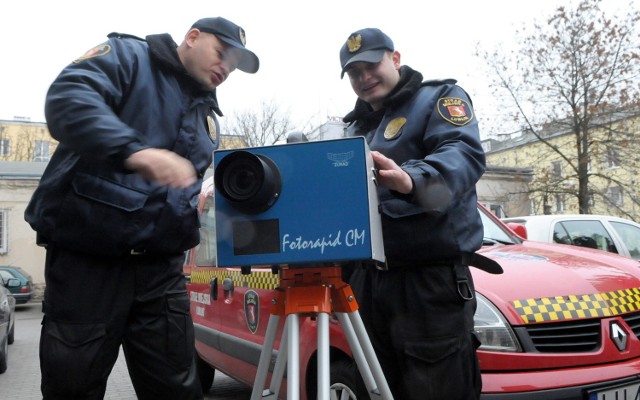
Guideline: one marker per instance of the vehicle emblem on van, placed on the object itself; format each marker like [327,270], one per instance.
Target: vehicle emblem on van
[252,310]
[618,336]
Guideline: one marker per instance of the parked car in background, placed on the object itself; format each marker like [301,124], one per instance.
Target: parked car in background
[24,292]
[7,320]
[560,323]
[603,232]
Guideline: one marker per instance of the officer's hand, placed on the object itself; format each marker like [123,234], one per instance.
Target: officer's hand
[162,166]
[390,175]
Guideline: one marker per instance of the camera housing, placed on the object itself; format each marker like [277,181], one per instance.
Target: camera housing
[297,203]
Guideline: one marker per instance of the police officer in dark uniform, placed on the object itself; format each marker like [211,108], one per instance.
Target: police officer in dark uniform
[117,207]
[425,144]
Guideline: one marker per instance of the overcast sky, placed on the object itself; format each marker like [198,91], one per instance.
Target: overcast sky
[298,43]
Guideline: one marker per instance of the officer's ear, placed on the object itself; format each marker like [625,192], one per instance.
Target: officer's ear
[395,57]
[191,37]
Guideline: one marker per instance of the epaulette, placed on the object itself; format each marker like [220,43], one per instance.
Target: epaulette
[123,36]
[438,82]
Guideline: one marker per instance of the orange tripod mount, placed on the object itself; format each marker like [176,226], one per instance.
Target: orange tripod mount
[315,291]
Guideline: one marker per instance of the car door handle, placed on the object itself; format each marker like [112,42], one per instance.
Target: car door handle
[213,284]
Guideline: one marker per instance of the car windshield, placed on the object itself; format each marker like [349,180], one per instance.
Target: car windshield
[493,232]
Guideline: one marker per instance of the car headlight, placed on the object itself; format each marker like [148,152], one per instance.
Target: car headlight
[492,328]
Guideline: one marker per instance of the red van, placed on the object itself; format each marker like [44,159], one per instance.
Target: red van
[561,322]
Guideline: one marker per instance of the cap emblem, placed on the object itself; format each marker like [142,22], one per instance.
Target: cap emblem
[354,43]
[243,37]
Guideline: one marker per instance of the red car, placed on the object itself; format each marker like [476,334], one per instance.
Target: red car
[561,322]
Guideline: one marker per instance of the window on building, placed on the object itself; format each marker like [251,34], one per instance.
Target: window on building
[612,158]
[5,147]
[614,194]
[556,169]
[41,152]
[4,245]
[497,209]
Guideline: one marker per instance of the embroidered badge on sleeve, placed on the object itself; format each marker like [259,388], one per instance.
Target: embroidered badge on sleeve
[455,110]
[97,51]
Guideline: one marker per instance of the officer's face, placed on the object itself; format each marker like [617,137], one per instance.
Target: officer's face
[373,82]
[209,60]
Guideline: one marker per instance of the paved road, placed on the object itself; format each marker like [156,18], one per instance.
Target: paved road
[22,379]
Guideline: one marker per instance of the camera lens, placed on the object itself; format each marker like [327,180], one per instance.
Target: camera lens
[251,183]
[243,180]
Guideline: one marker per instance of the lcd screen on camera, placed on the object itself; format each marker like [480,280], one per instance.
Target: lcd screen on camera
[256,237]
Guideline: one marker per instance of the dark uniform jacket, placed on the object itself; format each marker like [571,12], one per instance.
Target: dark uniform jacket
[429,129]
[123,96]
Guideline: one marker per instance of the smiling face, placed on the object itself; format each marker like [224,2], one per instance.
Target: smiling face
[372,82]
[208,59]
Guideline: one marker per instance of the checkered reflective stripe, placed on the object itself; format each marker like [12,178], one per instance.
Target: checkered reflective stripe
[254,280]
[578,306]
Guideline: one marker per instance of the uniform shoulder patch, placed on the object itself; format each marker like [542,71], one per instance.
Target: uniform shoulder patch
[455,110]
[98,51]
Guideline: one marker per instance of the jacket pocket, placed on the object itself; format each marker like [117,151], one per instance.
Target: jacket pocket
[99,216]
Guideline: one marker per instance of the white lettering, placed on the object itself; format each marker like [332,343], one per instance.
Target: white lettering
[353,237]
[202,298]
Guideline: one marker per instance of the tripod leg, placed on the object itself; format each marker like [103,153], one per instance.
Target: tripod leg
[293,357]
[279,368]
[265,357]
[324,376]
[364,355]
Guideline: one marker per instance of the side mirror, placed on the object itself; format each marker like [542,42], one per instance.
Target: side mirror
[518,229]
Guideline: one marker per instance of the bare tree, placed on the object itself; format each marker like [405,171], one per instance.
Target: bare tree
[265,126]
[25,142]
[575,76]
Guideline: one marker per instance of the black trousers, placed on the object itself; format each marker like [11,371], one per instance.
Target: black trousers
[421,329]
[93,305]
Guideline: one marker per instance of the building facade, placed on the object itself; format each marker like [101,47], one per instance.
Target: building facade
[23,140]
[610,156]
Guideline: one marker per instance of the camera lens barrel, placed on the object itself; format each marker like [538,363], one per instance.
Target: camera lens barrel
[250,182]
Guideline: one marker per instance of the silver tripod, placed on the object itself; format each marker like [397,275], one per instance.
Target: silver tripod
[316,291]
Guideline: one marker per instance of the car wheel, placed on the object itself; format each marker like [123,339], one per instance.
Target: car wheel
[346,382]
[11,336]
[206,374]
[4,350]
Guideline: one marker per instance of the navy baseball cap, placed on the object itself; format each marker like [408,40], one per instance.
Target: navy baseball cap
[368,45]
[234,36]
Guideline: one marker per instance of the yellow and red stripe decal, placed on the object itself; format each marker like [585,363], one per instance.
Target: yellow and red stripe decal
[255,280]
[578,306]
